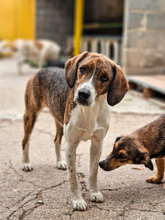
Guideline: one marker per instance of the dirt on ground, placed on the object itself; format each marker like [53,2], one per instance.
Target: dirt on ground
[44,193]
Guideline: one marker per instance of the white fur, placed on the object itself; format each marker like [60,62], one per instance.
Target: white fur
[89,86]
[60,163]
[26,163]
[86,123]
[27,167]
[96,197]
[26,49]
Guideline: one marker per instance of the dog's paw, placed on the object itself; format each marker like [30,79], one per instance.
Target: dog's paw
[154,179]
[27,167]
[61,165]
[96,197]
[79,205]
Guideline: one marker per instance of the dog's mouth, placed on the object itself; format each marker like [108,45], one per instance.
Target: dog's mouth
[83,102]
[107,168]
[105,165]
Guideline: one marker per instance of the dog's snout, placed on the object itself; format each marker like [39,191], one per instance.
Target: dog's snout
[101,164]
[104,165]
[84,94]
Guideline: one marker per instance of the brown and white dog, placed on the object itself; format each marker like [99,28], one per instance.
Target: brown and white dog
[79,100]
[38,51]
[139,148]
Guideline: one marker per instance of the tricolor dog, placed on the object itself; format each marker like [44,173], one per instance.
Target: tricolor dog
[139,148]
[79,100]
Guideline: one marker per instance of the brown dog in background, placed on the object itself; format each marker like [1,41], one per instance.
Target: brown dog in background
[139,148]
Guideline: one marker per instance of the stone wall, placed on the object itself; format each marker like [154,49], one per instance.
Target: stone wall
[54,20]
[144,37]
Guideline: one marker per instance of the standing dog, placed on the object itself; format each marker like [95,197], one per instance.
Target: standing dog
[138,148]
[78,98]
[35,50]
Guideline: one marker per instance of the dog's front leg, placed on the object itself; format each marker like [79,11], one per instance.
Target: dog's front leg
[77,200]
[95,152]
[160,172]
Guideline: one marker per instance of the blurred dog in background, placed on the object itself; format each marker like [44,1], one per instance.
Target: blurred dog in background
[37,51]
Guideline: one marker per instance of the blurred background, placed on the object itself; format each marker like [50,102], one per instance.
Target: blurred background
[130,32]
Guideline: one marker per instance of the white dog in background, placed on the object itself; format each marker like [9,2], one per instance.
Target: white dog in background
[37,51]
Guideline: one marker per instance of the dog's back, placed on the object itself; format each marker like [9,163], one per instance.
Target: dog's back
[153,134]
[48,88]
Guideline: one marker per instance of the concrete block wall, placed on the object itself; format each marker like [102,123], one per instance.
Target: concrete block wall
[144,37]
[54,20]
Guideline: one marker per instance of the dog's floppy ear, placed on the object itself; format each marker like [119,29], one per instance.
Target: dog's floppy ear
[71,68]
[147,161]
[118,87]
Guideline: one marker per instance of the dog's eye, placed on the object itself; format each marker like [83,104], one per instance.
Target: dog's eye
[83,70]
[104,79]
[122,156]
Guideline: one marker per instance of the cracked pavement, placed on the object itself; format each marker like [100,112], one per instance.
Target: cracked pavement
[44,192]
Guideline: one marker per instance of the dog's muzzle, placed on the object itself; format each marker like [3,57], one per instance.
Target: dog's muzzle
[83,97]
[104,165]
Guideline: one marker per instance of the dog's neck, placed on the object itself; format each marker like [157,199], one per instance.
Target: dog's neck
[87,111]
[95,109]
[158,154]
[151,145]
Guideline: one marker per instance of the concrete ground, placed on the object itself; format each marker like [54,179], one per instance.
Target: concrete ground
[126,193]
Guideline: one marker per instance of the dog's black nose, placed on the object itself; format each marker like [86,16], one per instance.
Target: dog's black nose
[101,164]
[84,94]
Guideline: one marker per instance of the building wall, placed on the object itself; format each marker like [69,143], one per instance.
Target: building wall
[17,19]
[103,11]
[144,37]
[54,20]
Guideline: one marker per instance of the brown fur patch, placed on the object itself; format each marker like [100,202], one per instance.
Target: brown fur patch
[122,152]
[102,87]
[13,47]
[69,105]
[115,163]
[38,44]
[116,146]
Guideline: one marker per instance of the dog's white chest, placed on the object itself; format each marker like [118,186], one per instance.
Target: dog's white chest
[88,122]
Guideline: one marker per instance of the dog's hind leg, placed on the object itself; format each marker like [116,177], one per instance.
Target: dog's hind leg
[160,172]
[32,107]
[29,121]
[59,133]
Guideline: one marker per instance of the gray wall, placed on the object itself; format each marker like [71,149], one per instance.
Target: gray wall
[54,20]
[144,37]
